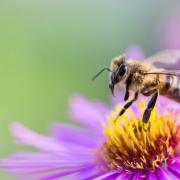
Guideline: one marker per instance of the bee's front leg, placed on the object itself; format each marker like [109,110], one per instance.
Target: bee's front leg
[128,104]
[150,107]
[126,97]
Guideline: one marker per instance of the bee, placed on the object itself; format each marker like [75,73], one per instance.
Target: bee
[150,77]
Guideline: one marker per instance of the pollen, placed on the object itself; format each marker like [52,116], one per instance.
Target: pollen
[131,144]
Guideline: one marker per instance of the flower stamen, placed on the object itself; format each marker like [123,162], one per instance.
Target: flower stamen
[132,144]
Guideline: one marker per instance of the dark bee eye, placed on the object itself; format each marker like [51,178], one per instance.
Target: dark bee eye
[122,70]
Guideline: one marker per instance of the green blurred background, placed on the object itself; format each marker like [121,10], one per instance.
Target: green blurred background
[49,50]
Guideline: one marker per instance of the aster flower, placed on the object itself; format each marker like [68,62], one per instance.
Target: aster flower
[102,149]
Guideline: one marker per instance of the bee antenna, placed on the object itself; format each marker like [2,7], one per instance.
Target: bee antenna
[102,70]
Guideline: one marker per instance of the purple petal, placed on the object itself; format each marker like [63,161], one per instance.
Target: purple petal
[65,173]
[59,175]
[28,137]
[46,165]
[138,175]
[34,161]
[88,174]
[74,135]
[91,114]
[124,175]
[174,166]
[107,176]
[50,174]
[164,173]
[135,52]
[177,159]
[152,175]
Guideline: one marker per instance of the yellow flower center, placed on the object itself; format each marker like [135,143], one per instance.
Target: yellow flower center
[132,144]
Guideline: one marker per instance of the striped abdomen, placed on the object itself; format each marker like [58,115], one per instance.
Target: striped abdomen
[170,87]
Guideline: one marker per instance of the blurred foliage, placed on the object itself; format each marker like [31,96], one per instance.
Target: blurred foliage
[49,50]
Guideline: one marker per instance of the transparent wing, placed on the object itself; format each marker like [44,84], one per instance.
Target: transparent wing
[164,72]
[166,59]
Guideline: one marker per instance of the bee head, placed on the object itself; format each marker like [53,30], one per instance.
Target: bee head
[118,71]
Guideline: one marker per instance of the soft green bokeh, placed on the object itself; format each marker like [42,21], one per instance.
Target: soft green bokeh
[49,50]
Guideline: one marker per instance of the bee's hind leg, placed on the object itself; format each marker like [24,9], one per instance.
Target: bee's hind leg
[128,104]
[150,107]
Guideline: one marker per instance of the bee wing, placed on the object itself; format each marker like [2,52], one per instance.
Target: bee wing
[164,72]
[166,59]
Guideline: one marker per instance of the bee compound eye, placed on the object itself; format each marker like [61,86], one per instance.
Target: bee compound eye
[122,70]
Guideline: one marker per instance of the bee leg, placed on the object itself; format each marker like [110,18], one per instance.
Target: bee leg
[126,97]
[128,104]
[150,106]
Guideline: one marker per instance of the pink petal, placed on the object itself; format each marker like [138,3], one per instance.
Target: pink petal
[107,176]
[31,138]
[152,175]
[44,143]
[164,173]
[90,114]
[75,135]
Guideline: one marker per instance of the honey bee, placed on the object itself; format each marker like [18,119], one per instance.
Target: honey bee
[147,77]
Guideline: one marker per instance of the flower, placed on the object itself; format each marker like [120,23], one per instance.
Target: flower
[102,149]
